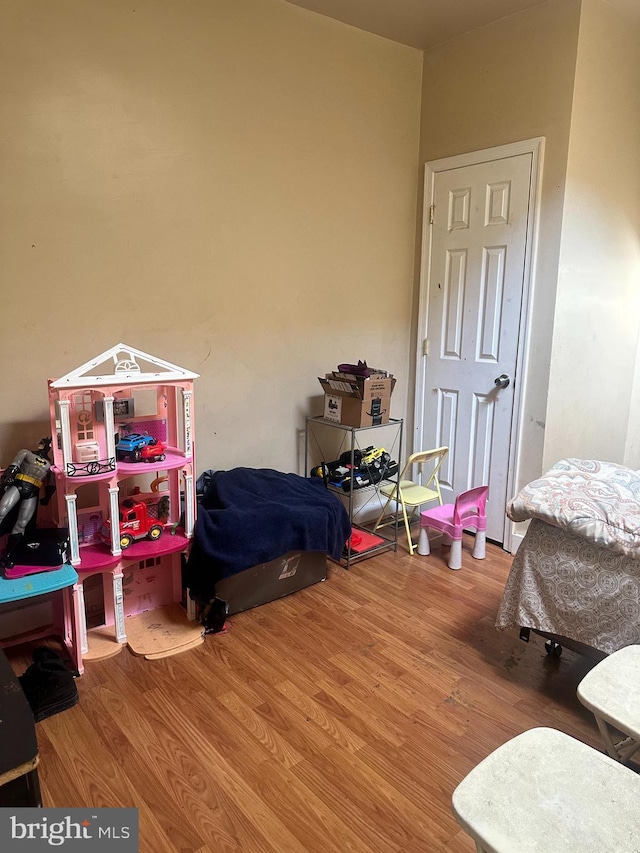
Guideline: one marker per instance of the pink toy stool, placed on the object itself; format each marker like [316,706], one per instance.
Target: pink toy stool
[469,510]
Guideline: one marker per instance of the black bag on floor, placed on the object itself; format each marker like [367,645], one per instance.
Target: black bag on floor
[48,685]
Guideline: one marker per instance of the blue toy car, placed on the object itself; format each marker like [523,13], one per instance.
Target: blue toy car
[130,446]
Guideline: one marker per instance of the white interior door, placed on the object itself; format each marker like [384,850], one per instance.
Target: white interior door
[476,268]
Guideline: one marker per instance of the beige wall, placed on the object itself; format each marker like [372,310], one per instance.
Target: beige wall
[594,405]
[509,81]
[227,184]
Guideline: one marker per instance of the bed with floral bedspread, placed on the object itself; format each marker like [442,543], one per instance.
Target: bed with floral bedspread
[576,574]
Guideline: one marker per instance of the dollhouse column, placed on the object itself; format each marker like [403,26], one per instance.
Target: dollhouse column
[191,608]
[188,504]
[82,618]
[66,433]
[72,521]
[118,607]
[114,515]
[187,398]
[110,427]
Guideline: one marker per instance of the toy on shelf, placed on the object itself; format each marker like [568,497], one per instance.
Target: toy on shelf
[43,550]
[140,448]
[134,523]
[20,485]
[367,467]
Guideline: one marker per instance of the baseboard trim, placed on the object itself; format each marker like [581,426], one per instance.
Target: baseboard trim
[516,540]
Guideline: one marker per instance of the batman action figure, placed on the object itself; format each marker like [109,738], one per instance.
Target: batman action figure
[20,486]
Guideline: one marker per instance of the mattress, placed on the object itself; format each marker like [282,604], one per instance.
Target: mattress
[564,585]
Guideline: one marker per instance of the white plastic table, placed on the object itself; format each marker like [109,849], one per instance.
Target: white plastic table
[611,691]
[545,792]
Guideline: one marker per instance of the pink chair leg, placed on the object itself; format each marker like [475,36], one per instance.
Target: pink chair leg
[455,554]
[479,546]
[423,543]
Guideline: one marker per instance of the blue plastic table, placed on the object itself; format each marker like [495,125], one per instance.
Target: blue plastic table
[65,621]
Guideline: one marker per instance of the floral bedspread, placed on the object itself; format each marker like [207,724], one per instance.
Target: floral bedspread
[599,501]
[566,586]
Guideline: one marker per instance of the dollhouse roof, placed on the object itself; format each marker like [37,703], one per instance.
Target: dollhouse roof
[124,369]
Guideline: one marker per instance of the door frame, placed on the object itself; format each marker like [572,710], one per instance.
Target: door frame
[535,147]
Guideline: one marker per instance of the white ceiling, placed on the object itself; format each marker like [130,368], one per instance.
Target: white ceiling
[418,23]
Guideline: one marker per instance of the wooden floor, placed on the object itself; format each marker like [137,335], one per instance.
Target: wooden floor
[338,719]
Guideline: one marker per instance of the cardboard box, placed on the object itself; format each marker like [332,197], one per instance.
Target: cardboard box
[356,401]
[357,413]
[339,385]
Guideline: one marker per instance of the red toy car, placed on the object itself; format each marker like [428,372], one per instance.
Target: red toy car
[137,448]
[152,452]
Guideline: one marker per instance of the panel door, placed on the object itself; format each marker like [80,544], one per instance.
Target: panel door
[476,275]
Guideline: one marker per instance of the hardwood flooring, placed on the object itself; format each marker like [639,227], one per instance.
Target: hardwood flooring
[337,719]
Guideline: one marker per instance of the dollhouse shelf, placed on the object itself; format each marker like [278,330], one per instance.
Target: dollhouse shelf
[97,557]
[173,459]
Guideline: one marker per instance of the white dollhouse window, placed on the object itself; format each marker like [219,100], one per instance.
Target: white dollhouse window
[84,416]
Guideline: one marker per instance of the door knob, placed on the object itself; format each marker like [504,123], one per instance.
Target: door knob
[502,381]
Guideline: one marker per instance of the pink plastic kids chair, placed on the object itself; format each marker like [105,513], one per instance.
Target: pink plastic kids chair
[450,519]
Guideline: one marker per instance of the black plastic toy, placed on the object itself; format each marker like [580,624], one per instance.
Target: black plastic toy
[369,467]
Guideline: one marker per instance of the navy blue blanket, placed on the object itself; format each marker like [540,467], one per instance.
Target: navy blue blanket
[250,516]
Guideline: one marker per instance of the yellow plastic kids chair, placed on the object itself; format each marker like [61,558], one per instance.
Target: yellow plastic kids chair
[412,494]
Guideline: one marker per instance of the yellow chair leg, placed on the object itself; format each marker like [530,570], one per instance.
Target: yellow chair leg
[383,513]
[407,527]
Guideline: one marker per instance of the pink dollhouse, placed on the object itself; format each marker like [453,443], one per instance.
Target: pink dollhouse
[123,454]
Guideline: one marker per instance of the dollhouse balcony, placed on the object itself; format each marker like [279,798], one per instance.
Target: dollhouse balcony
[90,468]
[83,472]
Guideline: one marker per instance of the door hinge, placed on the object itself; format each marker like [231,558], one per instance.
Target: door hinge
[432,211]
[425,346]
